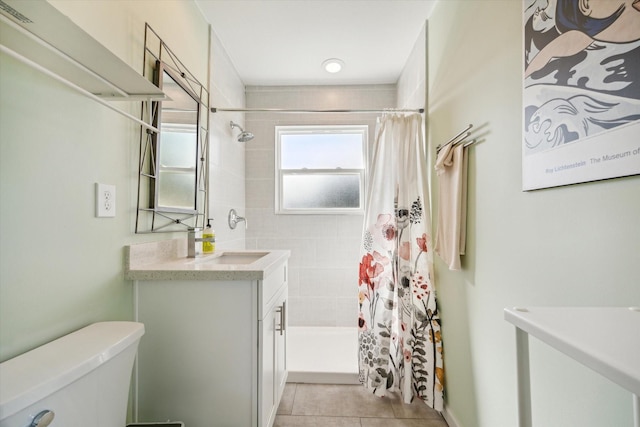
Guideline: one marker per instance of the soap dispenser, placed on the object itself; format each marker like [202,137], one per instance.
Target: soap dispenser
[208,247]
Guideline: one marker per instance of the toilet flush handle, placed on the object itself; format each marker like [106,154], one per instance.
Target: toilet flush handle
[43,418]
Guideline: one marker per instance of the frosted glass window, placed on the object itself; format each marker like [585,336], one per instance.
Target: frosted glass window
[320,169]
[321,151]
[176,186]
[177,148]
[176,189]
[321,191]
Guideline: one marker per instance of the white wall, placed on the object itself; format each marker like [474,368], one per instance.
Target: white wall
[412,84]
[323,269]
[226,154]
[569,246]
[60,267]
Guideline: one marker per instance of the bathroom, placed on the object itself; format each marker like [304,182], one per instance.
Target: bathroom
[569,246]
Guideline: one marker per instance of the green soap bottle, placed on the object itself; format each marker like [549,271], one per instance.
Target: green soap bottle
[208,233]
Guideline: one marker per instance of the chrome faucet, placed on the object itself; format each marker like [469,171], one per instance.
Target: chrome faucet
[192,239]
[234,219]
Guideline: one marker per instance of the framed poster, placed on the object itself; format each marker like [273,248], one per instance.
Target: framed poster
[581,91]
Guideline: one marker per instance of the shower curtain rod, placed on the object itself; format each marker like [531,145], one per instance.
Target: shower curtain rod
[285,110]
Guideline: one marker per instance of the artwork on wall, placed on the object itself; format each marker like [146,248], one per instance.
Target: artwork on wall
[581,96]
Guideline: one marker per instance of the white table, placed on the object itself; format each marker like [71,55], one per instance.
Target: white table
[605,339]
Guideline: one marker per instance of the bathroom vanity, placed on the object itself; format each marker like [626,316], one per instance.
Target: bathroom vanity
[215,347]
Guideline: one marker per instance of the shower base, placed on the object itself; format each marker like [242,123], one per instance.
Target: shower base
[322,355]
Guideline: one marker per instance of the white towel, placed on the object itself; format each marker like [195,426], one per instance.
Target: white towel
[451,168]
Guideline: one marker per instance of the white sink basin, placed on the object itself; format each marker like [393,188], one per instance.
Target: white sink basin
[232,258]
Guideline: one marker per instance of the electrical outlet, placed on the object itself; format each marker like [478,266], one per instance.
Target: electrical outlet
[105,200]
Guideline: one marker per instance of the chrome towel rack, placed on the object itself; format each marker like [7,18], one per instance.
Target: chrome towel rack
[460,138]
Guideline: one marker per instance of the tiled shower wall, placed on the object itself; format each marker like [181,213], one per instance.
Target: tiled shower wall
[323,268]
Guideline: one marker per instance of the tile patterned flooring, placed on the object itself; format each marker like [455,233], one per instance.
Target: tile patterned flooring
[329,405]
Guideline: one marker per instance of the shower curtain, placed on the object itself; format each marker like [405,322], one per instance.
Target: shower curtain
[400,346]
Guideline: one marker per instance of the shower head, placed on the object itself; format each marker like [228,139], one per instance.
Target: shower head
[244,136]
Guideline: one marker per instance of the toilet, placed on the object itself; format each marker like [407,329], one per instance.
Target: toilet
[81,379]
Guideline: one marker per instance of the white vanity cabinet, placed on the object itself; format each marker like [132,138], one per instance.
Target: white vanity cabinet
[214,351]
[273,363]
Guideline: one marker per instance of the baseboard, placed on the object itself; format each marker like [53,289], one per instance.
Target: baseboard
[449,418]
[323,377]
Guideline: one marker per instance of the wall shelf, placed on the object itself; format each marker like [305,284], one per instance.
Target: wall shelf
[39,32]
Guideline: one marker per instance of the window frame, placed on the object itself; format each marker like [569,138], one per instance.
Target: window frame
[280,173]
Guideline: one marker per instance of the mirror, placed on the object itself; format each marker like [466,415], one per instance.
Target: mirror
[176,146]
[173,167]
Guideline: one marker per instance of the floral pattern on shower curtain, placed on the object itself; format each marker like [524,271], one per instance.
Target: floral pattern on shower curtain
[400,345]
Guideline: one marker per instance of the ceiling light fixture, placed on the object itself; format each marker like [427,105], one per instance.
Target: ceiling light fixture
[333,65]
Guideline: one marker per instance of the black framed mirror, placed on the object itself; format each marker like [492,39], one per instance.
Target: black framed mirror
[173,171]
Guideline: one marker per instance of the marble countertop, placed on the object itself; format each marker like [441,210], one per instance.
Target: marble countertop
[166,260]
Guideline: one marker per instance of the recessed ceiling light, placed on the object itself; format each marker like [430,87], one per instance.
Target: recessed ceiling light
[333,65]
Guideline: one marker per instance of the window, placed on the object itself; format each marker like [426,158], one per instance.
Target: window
[320,169]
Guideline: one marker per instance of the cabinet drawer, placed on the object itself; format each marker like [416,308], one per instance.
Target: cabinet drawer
[269,289]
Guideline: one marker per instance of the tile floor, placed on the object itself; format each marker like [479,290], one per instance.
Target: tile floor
[329,405]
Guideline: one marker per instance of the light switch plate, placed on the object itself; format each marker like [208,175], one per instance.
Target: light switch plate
[105,200]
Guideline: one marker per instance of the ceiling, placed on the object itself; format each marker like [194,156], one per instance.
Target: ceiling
[285,42]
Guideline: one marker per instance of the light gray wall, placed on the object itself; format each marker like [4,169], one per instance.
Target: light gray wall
[570,246]
[323,269]
[60,267]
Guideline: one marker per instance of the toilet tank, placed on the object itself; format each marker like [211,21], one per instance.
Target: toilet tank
[83,377]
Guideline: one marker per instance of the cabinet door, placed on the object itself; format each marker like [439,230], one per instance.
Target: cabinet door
[274,360]
[281,350]
[267,372]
